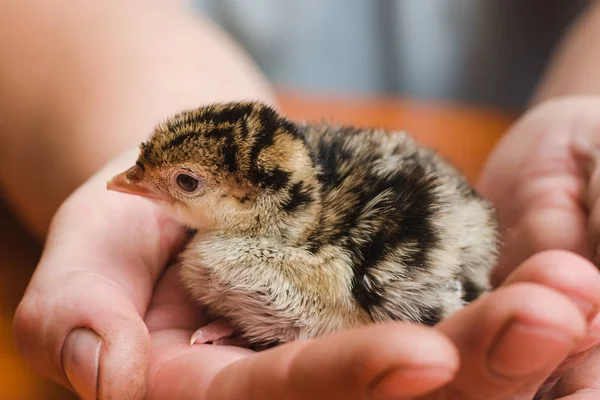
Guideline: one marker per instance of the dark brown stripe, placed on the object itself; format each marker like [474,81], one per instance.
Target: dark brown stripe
[471,291]
[232,112]
[431,316]
[275,179]
[180,139]
[409,220]
[230,151]
[264,138]
[298,197]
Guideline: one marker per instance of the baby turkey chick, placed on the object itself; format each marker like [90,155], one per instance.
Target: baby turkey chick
[305,229]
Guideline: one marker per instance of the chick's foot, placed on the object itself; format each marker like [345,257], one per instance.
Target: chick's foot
[219,332]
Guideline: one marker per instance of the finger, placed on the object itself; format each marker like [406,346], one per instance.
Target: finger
[570,274]
[550,217]
[582,395]
[581,383]
[586,152]
[373,360]
[171,307]
[513,337]
[535,184]
[370,362]
[179,370]
[103,254]
[575,277]
[566,272]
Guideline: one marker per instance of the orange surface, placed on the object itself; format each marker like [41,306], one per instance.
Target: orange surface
[464,135]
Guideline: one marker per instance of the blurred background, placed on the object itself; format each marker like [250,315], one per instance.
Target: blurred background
[489,52]
[459,53]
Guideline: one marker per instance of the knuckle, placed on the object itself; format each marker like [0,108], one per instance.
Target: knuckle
[27,317]
[31,336]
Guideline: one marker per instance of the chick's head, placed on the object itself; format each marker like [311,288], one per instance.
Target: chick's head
[220,165]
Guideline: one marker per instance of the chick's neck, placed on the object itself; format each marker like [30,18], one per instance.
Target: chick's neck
[293,223]
[290,215]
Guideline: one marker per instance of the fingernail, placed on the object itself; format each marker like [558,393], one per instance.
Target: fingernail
[80,358]
[408,382]
[522,349]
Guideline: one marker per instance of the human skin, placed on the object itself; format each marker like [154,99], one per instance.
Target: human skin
[99,272]
[546,195]
[554,186]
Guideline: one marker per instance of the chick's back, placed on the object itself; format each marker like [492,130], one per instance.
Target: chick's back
[421,240]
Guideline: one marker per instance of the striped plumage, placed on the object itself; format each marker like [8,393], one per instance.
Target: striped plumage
[304,229]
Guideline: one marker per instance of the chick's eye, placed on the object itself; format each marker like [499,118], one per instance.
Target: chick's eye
[187,183]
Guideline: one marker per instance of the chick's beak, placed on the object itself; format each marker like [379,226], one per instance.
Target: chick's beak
[128,182]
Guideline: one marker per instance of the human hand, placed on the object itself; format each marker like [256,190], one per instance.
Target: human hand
[543,179]
[103,268]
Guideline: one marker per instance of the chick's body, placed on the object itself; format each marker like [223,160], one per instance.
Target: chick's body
[305,229]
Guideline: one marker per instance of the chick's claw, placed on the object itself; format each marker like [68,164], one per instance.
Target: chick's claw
[216,332]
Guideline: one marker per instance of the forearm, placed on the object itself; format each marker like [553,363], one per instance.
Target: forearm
[574,68]
[83,81]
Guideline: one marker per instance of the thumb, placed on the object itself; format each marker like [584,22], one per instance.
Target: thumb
[81,358]
[84,335]
[81,361]
[80,322]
